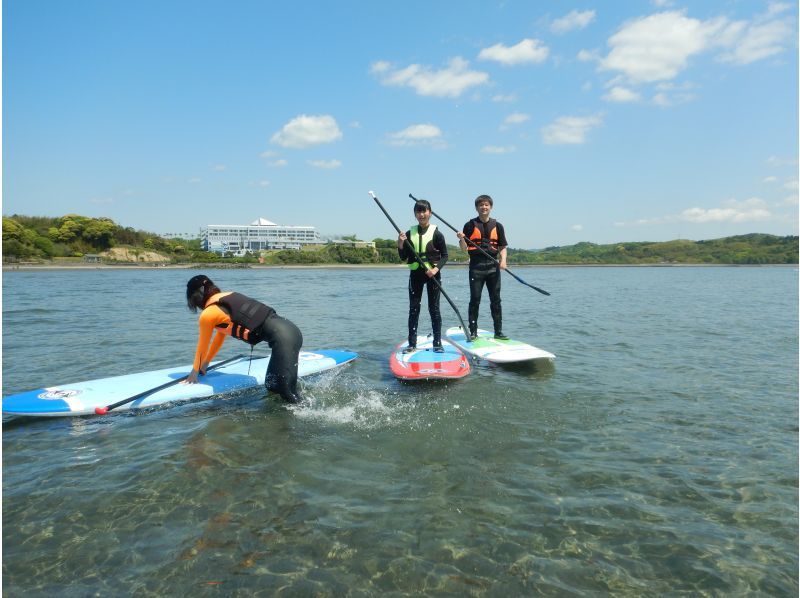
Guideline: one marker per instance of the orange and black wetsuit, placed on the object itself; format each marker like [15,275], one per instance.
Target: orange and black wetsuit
[283,337]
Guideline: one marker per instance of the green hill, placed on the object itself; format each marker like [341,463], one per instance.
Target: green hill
[43,238]
[754,248]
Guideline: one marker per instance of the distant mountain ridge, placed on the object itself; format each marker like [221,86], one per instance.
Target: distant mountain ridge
[754,248]
[45,238]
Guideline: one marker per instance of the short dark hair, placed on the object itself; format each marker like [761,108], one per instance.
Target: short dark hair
[422,205]
[198,290]
[481,198]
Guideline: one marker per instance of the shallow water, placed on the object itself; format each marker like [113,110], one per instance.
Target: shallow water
[657,455]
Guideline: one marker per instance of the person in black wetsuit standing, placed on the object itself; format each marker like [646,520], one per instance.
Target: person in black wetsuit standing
[429,244]
[489,235]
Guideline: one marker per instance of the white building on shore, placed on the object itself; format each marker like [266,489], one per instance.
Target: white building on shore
[259,234]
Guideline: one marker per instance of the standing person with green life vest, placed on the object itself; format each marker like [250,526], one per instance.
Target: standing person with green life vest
[429,244]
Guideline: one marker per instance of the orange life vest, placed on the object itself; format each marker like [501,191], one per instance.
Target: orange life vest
[484,235]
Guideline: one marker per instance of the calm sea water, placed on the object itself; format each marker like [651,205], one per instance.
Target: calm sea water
[658,455]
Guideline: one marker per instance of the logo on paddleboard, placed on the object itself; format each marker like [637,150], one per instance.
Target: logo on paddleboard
[57,393]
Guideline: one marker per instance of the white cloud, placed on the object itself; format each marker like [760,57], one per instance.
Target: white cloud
[418,135]
[263,183]
[588,55]
[515,118]
[621,95]
[307,131]
[777,161]
[760,40]
[498,149]
[791,200]
[325,164]
[770,179]
[577,227]
[219,167]
[504,98]
[279,163]
[381,66]
[659,47]
[451,81]
[573,20]
[731,214]
[791,185]
[732,211]
[569,129]
[528,51]
[194,180]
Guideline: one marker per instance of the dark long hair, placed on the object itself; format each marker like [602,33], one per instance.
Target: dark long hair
[198,290]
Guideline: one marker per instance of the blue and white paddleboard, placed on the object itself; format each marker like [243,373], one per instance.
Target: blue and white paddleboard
[81,398]
[494,350]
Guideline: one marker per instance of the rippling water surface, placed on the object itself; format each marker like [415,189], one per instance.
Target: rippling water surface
[657,455]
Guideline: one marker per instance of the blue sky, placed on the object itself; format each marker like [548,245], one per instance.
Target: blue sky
[585,121]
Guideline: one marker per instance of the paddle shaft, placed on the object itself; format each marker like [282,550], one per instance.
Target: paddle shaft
[410,247]
[107,408]
[491,257]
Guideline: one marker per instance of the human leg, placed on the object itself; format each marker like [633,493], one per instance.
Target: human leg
[415,286]
[495,305]
[477,278]
[434,293]
[285,340]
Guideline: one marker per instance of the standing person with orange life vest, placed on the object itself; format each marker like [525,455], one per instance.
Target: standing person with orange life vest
[233,314]
[489,235]
[429,244]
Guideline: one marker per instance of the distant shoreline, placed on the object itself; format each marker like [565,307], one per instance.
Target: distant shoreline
[199,266]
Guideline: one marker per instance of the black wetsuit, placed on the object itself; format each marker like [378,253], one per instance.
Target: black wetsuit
[285,340]
[435,253]
[484,271]
[283,337]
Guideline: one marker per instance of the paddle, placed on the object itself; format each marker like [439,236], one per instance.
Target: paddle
[421,263]
[107,408]
[471,242]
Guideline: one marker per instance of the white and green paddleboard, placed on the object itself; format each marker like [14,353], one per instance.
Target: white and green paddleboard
[494,350]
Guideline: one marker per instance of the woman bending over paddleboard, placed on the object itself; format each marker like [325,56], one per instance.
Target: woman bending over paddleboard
[233,314]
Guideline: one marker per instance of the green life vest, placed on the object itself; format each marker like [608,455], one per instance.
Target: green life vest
[423,245]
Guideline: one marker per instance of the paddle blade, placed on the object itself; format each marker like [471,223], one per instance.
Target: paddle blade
[101,410]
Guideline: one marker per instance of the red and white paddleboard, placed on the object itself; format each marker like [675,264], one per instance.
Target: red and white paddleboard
[425,364]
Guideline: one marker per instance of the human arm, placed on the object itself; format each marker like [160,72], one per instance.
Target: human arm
[502,243]
[462,236]
[402,247]
[206,346]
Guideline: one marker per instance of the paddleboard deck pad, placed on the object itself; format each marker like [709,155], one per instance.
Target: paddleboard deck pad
[495,350]
[81,398]
[425,364]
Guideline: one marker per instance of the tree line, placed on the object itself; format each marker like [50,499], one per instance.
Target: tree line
[44,238]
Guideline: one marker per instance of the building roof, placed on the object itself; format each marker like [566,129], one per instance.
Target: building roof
[262,222]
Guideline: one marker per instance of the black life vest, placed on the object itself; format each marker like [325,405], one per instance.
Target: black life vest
[247,316]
